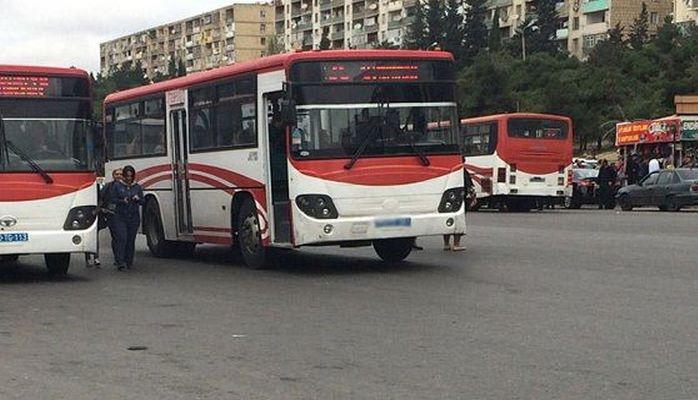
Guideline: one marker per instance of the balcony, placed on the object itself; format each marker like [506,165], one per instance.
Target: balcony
[562,34]
[594,6]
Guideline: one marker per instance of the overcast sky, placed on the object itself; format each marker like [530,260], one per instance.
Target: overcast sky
[68,33]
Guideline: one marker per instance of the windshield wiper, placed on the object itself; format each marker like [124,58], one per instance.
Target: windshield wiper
[420,153]
[24,156]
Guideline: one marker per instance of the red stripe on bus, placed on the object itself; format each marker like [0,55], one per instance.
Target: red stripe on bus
[390,171]
[212,229]
[213,239]
[148,172]
[31,186]
[227,175]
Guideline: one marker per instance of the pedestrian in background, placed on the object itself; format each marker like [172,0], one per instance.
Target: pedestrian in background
[654,165]
[128,197]
[607,177]
[631,169]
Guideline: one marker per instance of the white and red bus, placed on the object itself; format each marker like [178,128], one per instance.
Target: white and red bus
[48,191]
[343,148]
[518,161]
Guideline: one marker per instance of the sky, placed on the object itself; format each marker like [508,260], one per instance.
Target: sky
[63,33]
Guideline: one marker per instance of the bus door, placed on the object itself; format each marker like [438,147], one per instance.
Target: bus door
[278,167]
[178,124]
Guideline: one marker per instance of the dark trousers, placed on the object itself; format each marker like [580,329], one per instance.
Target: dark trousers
[605,195]
[124,230]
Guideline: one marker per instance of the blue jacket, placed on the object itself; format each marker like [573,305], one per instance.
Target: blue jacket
[127,199]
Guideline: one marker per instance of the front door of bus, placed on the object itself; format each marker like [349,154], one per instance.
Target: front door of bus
[180,175]
[278,162]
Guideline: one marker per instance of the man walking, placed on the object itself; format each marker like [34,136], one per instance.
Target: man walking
[607,177]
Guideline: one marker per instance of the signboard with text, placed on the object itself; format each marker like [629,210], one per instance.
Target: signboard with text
[639,132]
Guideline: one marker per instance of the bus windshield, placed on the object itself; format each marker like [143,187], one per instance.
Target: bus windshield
[534,128]
[55,145]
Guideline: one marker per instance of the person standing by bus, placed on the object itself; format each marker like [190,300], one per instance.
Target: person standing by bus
[470,198]
[128,196]
[104,214]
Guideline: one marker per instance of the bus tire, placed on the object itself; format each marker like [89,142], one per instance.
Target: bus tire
[250,244]
[57,263]
[154,232]
[393,250]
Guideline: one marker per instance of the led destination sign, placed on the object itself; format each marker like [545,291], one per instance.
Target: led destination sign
[31,86]
[374,71]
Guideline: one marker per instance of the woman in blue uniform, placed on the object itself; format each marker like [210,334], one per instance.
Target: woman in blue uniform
[128,197]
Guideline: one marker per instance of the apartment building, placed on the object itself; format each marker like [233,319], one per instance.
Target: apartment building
[301,24]
[220,37]
[582,23]
[513,13]
[685,12]
[590,20]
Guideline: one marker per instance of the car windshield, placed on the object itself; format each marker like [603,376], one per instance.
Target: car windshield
[584,173]
[54,144]
[688,174]
[338,131]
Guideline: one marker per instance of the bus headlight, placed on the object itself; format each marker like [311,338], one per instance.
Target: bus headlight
[317,206]
[452,200]
[80,218]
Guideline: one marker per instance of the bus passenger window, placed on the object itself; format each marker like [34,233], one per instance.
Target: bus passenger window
[479,139]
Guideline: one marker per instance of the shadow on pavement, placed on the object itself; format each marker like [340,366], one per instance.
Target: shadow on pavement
[19,273]
[310,262]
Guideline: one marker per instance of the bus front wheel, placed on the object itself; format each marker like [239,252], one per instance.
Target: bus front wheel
[57,264]
[249,237]
[393,250]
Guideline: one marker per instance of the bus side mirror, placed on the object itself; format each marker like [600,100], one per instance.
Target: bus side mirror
[288,112]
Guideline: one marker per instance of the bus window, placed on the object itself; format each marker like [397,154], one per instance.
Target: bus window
[533,128]
[479,139]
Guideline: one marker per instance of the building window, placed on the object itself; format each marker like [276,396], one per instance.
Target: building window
[262,14]
[654,18]
[263,41]
[575,24]
[262,28]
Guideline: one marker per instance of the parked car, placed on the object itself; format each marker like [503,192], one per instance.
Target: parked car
[583,188]
[667,189]
[590,163]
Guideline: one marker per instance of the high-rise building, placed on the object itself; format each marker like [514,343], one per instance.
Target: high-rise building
[302,24]
[591,20]
[582,23]
[685,12]
[209,40]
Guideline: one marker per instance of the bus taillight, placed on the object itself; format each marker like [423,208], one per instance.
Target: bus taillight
[569,177]
[501,175]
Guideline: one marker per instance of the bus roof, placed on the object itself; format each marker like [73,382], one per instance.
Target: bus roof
[43,71]
[514,115]
[271,63]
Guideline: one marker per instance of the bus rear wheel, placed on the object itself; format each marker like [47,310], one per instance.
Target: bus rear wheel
[57,264]
[249,237]
[393,250]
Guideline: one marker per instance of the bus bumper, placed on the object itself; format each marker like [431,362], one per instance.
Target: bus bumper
[44,242]
[309,231]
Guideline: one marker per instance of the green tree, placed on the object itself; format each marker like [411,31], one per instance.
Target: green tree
[274,45]
[417,32]
[639,29]
[453,28]
[541,28]
[495,34]
[325,42]
[181,68]
[436,33]
[474,30]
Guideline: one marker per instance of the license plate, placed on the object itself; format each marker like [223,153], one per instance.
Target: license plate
[14,237]
[394,223]
[537,179]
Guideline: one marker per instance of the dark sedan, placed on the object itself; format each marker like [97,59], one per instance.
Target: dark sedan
[667,189]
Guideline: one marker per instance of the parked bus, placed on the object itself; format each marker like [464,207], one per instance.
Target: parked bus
[300,149]
[518,161]
[48,192]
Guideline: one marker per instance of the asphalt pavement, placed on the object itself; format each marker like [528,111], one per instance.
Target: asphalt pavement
[558,304]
